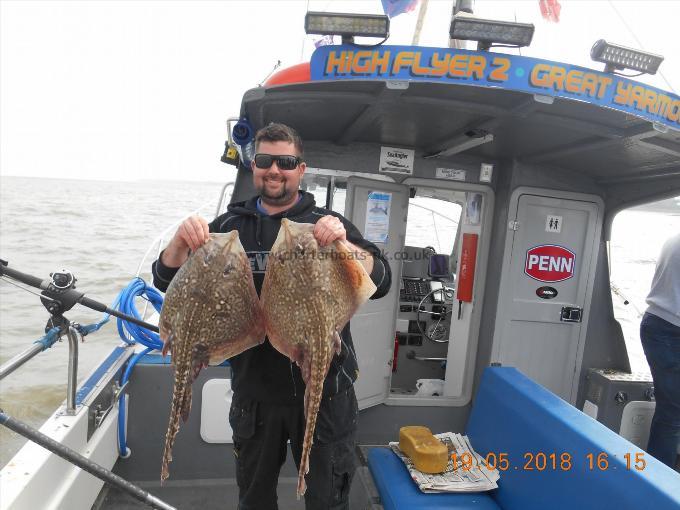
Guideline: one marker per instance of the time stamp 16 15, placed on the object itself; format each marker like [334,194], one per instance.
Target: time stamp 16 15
[540,461]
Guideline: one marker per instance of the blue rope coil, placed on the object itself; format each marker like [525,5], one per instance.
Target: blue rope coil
[132,334]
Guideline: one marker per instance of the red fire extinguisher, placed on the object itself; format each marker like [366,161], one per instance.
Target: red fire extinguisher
[466,270]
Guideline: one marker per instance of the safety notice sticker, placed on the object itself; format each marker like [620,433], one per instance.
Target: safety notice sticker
[378,216]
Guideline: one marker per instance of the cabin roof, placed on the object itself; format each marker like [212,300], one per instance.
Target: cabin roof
[539,112]
[608,145]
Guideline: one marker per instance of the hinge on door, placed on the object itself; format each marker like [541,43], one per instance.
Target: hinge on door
[513,225]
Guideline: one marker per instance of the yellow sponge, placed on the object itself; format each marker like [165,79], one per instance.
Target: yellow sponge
[428,454]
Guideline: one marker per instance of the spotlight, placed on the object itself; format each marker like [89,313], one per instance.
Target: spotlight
[615,56]
[347,25]
[490,32]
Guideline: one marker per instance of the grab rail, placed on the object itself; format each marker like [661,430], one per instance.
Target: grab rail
[223,195]
[38,346]
[74,336]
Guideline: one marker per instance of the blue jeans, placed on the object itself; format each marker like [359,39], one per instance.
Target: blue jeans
[661,343]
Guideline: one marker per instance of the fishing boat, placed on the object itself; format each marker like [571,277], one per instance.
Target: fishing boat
[501,328]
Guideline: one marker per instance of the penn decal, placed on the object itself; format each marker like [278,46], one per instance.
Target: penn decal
[550,263]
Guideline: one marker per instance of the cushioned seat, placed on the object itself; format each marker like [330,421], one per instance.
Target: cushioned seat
[556,456]
[398,491]
[550,455]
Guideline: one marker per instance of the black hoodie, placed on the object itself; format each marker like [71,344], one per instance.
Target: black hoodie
[262,373]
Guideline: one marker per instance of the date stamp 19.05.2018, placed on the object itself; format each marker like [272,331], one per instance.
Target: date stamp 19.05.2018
[548,461]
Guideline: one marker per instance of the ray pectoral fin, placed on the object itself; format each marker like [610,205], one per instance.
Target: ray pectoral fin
[354,273]
[233,243]
[230,349]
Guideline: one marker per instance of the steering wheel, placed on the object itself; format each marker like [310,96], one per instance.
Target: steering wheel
[431,333]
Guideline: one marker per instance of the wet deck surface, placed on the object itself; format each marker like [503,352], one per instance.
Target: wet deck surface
[223,494]
[194,494]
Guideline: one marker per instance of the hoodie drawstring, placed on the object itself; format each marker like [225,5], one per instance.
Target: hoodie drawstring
[258,230]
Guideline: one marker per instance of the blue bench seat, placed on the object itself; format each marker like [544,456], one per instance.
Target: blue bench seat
[550,455]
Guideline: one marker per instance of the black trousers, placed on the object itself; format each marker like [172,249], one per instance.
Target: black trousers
[261,432]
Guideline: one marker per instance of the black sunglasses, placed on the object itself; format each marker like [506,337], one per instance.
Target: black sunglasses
[283,162]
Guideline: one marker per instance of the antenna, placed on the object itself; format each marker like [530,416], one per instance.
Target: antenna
[276,66]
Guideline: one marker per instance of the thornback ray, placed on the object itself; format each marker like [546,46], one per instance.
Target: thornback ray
[211,312]
[308,295]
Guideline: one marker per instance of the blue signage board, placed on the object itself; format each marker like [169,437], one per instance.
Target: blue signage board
[486,69]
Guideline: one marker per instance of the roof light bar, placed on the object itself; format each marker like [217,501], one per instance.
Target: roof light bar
[488,32]
[615,56]
[347,25]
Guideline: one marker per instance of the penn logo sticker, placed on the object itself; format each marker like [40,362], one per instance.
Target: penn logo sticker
[550,263]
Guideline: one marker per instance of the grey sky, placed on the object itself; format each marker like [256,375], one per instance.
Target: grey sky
[142,90]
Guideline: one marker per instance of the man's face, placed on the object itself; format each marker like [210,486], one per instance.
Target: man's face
[276,186]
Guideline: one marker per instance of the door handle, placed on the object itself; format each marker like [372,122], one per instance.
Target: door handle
[412,355]
[571,314]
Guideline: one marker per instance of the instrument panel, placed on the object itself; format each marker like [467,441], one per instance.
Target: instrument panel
[413,289]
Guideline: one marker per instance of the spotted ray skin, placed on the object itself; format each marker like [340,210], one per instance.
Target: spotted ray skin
[211,312]
[308,295]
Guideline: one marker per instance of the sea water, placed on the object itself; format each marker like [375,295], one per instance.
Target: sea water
[101,230]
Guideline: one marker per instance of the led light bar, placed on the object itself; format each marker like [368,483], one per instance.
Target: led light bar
[347,25]
[488,32]
[616,56]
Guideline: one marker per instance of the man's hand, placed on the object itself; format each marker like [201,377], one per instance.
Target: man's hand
[329,229]
[191,235]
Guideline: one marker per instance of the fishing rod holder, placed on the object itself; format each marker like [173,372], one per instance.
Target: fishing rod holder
[74,336]
[74,333]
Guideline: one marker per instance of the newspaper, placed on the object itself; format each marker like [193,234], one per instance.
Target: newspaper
[470,474]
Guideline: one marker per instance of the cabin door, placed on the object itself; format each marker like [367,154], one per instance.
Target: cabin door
[546,286]
[379,210]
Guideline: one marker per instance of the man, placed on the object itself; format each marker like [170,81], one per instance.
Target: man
[267,405]
[660,334]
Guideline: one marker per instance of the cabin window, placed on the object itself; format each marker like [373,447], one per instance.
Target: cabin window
[637,236]
[325,189]
[432,222]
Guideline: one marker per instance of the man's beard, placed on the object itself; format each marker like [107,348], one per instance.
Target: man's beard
[282,197]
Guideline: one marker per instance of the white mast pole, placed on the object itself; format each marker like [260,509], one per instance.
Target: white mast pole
[419,23]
